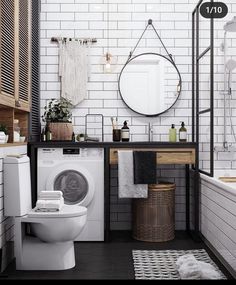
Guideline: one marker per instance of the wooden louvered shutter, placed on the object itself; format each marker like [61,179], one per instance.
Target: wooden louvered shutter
[24,50]
[7,52]
[15,54]
[15,64]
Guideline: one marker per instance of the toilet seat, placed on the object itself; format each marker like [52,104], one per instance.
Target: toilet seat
[66,212]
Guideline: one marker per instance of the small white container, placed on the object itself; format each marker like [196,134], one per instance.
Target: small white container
[16,131]
[2,138]
[22,139]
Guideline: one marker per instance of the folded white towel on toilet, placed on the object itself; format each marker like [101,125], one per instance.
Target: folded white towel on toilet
[44,205]
[50,195]
[46,209]
[190,268]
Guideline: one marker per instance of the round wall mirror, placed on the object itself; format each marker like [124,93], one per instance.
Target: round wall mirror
[150,84]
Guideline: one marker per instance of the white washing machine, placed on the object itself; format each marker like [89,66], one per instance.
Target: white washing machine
[79,174]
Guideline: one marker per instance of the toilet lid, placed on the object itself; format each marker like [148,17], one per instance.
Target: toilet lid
[66,212]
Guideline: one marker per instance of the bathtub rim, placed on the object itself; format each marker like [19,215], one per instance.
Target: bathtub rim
[216,182]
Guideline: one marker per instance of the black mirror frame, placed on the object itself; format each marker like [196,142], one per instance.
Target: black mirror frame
[180,83]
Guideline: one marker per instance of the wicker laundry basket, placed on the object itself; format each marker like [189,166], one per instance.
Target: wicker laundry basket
[154,217]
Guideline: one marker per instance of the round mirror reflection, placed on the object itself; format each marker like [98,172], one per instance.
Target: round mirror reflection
[150,84]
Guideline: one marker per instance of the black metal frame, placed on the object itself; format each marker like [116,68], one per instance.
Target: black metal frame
[86,124]
[196,57]
[170,59]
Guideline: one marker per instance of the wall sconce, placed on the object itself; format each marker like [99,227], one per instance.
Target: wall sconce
[108,60]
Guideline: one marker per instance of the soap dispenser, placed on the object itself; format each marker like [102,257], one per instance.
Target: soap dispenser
[125,133]
[183,133]
[172,134]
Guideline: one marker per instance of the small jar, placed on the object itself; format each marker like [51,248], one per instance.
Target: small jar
[16,131]
[81,138]
[2,138]
[48,133]
[116,135]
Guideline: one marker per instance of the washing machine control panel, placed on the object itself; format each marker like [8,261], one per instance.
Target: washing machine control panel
[70,153]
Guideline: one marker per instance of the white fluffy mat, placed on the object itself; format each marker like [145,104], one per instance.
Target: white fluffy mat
[161,264]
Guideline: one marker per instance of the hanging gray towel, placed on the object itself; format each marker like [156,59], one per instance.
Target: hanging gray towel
[127,189]
[145,167]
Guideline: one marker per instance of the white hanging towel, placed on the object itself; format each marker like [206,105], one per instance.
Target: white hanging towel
[73,70]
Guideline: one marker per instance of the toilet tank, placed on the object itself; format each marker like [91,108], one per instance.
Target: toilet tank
[17,186]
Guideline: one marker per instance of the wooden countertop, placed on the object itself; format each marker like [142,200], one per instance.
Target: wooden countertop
[12,144]
[164,155]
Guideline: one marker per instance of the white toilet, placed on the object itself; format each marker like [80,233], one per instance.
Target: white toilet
[51,247]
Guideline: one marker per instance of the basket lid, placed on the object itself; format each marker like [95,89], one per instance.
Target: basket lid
[162,186]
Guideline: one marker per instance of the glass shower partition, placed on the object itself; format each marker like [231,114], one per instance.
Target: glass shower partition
[203,88]
[202,107]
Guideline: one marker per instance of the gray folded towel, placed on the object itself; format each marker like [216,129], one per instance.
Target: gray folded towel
[145,167]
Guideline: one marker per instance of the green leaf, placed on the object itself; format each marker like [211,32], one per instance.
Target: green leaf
[58,110]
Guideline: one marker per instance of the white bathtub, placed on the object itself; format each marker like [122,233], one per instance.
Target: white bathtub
[218,216]
[225,187]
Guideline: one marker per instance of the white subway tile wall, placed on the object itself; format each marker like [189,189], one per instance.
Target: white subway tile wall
[6,223]
[127,20]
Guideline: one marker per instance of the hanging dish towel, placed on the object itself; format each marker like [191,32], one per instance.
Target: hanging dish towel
[73,70]
[145,167]
[127,189]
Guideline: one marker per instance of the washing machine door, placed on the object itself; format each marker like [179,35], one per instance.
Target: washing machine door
[75,182]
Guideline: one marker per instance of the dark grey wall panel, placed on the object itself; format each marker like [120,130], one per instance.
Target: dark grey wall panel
[35,113]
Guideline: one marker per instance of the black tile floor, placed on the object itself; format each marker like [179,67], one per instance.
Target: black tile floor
[108,261]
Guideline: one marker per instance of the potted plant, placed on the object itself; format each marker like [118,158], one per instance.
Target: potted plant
[58,117]
[4,129]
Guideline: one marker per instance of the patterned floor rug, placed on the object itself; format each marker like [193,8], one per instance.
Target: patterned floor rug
[160,264]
